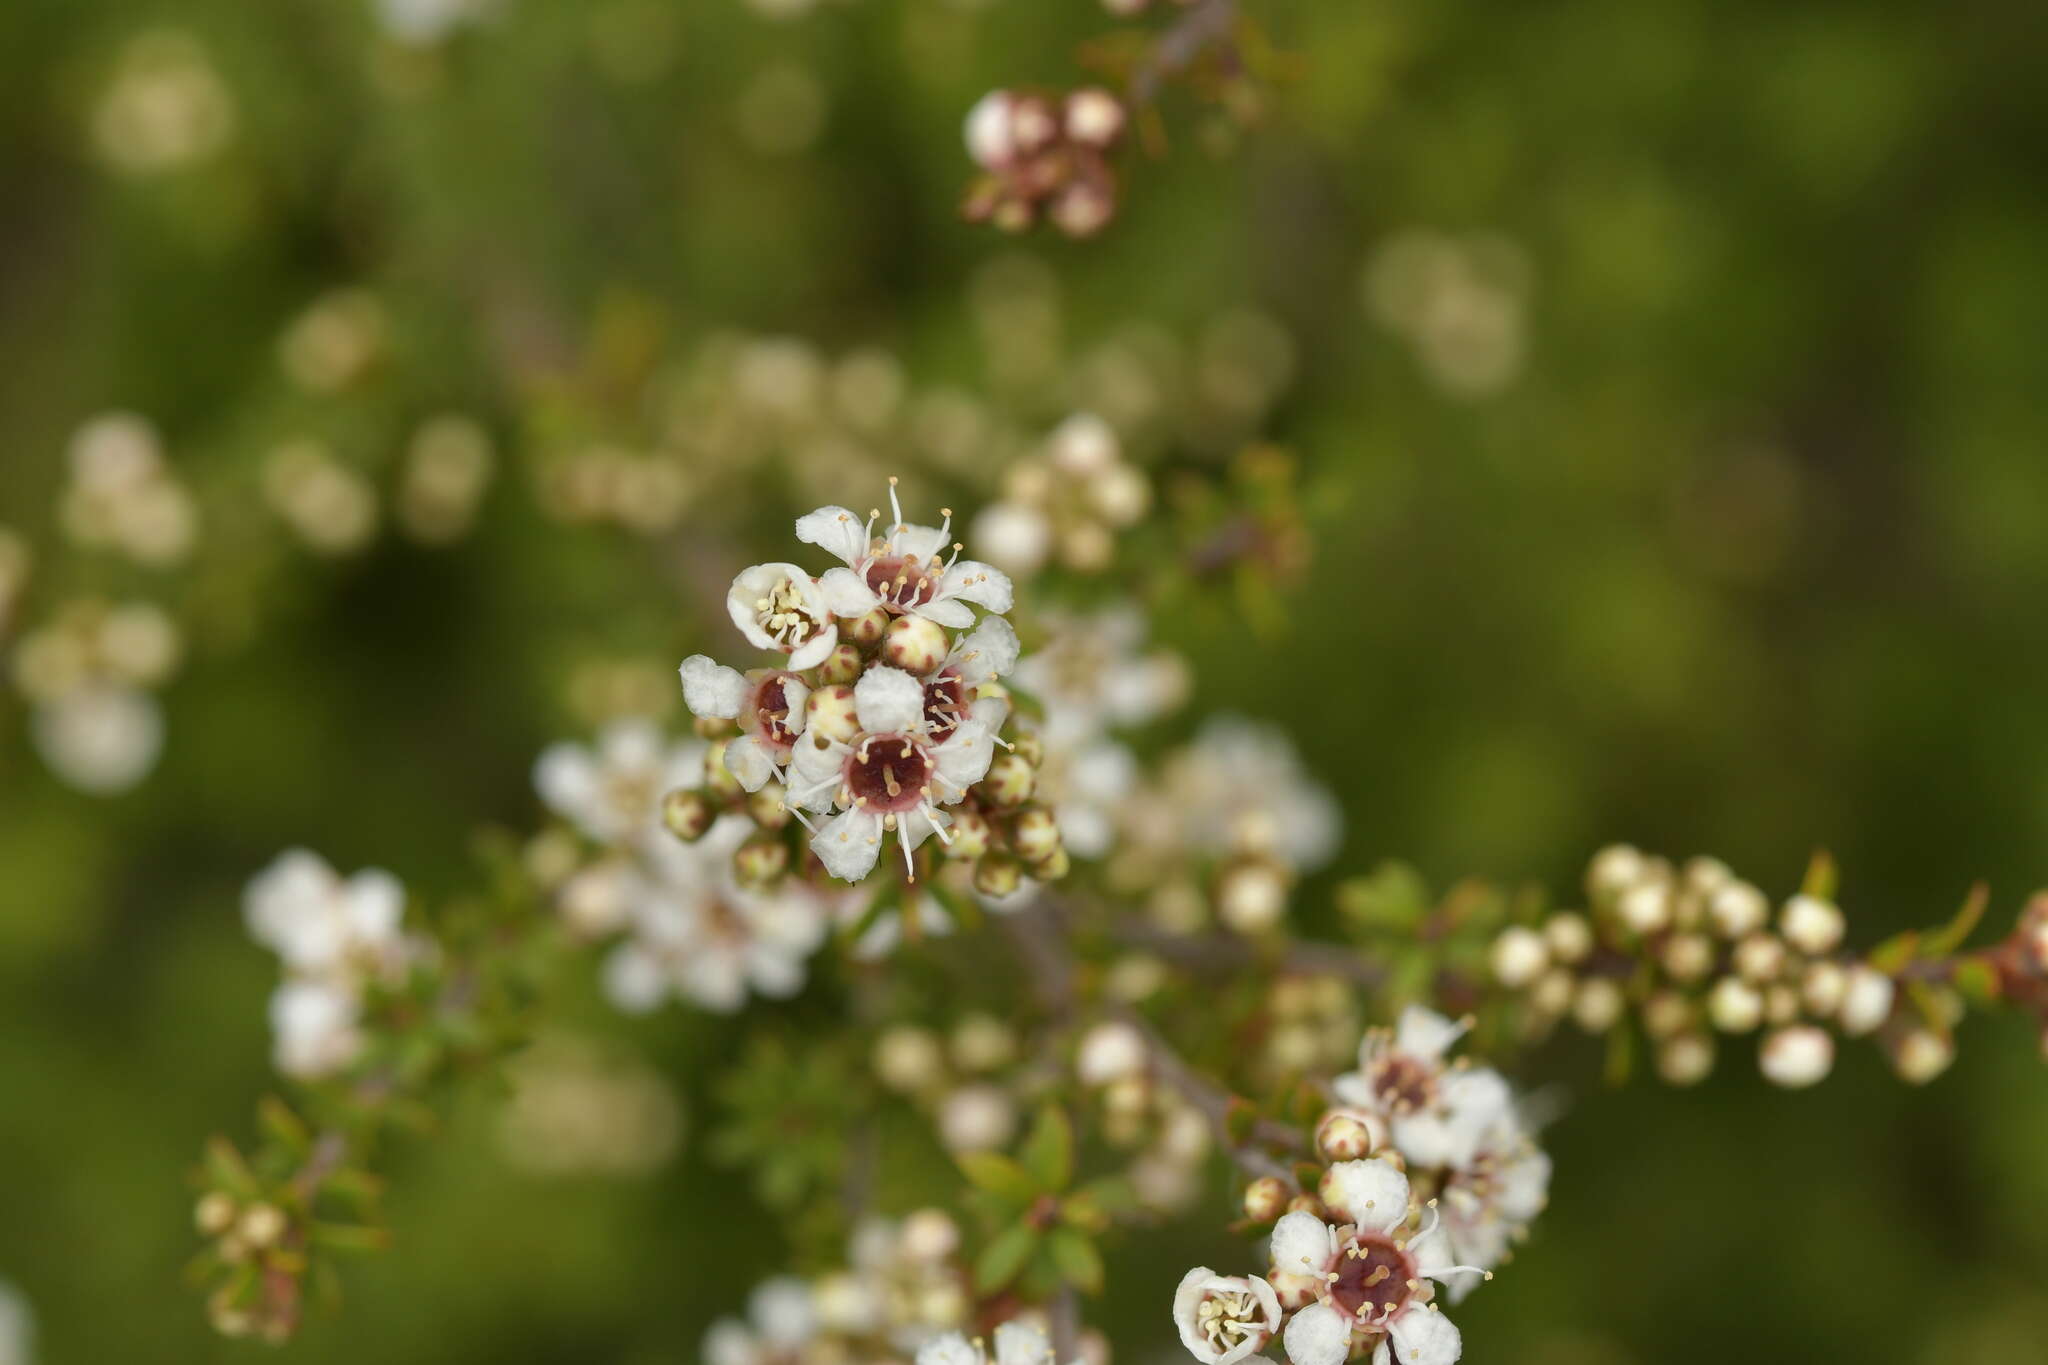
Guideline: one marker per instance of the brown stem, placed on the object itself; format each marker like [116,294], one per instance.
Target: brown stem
[1206,22]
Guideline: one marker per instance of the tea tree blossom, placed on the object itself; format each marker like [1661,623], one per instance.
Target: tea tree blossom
[334,936]
[1224,1318]
[781,1320]
[611,791]
[1015,1343]
[1437,1112]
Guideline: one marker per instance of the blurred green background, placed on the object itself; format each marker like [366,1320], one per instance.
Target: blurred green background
[1713,520]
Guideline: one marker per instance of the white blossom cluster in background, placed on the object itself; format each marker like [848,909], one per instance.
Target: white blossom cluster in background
[1066,503]
[17,1328]
[165,107]
[1167,1136]
[1093,678]
[1461,304]
[687,926]
[336,938]
[892,742]
[577,1108]
[1433,1178]
[121,493]
[1225,826]
[902,1297]
[1045,157]
[89,672]
[424,23]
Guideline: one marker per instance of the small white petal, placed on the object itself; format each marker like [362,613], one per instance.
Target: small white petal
[1370,1193]
[1319,1335]
[846,594]
[1425,1033]
[849,844]
[836,531]
[814,651]
[887,700]
[1303,1244]
[1422,1337]
[747,760]
[989,651]
[712,690]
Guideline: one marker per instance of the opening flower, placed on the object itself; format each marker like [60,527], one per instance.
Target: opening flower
[1438,1110]
[1224,1318]
[780,607]
[902,572]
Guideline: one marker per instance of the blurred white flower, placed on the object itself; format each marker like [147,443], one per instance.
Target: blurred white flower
[612,790]
[103,740]
[17,1328]
[166,107]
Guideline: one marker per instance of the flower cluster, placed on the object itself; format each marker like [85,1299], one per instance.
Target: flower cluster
[89,671]
[884,716]
[1045,155]
[336,938]
[1698,952]
[1066,504]
[708,920]
[122,494]
[1225,829]
[1430,1179]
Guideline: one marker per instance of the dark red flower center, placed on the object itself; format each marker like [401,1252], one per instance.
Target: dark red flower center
[945,704]
[889,773]
[902,581]
[1403,1084]
[1372,1277]
[768,713]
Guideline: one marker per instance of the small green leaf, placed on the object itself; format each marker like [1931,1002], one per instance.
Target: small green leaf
[1951,936]
[1079,1263]
[351,1238]
[1240,1117]
[285,1128]
[225,1170]
[1821,877]
[1001,1259]
[998,1175]
[1394,897]
[1895,952]
[1978,980]
[1049,1151]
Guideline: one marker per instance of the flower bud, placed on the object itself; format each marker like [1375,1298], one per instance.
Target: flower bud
[1738,910]
[1688,956]
[1613,870]
[262,1224]
[1797,1057]
[1519,956]
[1921,1054]
[1034,834]
[1027,746]
[1553,991]
[1666,1013]
[686,813]
[1569,935]
[718,779]
[968,836]
[930,1235]
[1349,1135]
[1110,1051]
[915,645]
[214,1213]
[1811,925]
[1734,1005]
[1704,876]
[1685,1058]
[1760,958]
[768,807]
[998,875]
[1645,908]
[1781,1003]
[712,727]
[1009,781]
[908,1060]
[841,666]
[976,1118]
[760,861]
[1823,989]
[1052,866]
[1095,118]
[1598,1004]
[982,1042]
[1251,895]
[865,632]
[1265,1199]
[1866,1000]
[829,713]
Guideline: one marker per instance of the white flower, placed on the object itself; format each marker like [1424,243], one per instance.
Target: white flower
[767,703]
[902,571]
[313,1028]
[322,925]
[101,740]
[696,933]
[1488,1204]
[781,608]
[426,22]
[1223,1319]
[894,774]
[988,134]
[781,1321]
[1240,787]
[1110,1051]
[1016,1343]
[1367,1275]
[612,792]
[1437,1113]
[1094,674]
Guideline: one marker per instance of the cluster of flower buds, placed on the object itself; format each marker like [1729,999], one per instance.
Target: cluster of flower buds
[1168,1136]
[1427,1178]
[89,671]
[328,504]
[1065,505]
[965,1082]
[1045,155]
[901,1294]
[1695,952]
[886,716]
[123,496]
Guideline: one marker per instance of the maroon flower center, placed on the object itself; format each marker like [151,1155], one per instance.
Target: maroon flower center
[945,704]
[1403,1084]
[901,581]
[768,713]
[889,773]
[1372,1277]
